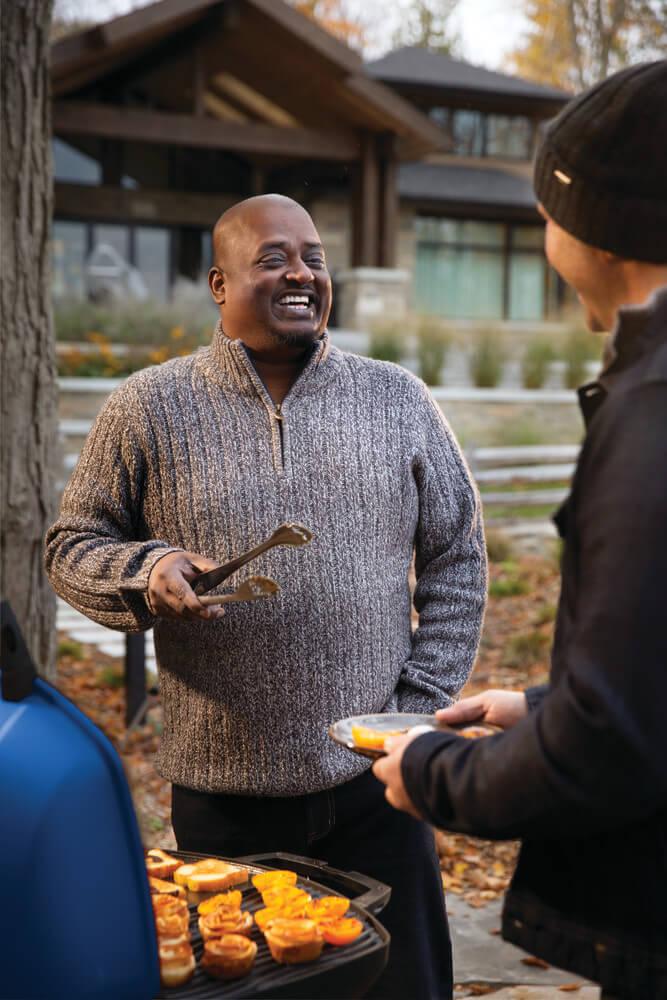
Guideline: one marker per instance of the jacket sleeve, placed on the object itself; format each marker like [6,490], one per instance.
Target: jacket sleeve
[451,570]
[95,556]
[591,756]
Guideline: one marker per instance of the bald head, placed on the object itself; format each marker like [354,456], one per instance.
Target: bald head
[243,219]
[267,249]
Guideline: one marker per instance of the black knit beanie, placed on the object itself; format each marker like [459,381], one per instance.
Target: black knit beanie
[601,170]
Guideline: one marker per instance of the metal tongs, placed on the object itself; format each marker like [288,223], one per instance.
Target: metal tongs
[251,589]
[286,534]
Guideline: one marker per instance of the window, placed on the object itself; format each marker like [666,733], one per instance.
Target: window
[98,260]
[482,270]
[68,251]
[472,133]
[459,270]
[152,260]
[69,164]
[509,136]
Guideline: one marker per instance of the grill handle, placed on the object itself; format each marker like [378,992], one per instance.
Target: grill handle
[366,892]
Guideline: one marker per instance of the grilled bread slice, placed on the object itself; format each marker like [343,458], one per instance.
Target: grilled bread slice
[159,864]
[210,875]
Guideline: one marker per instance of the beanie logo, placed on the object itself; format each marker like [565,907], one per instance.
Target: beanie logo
[563,178]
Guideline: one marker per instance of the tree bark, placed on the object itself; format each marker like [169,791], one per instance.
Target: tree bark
[28,434]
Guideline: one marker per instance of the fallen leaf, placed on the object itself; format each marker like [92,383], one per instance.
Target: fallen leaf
[535,962]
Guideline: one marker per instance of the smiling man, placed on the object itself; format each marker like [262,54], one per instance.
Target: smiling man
[196,460]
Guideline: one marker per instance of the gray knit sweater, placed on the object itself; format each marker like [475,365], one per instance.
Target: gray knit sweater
[190,455]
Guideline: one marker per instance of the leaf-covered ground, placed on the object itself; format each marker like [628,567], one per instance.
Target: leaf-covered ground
[514,653]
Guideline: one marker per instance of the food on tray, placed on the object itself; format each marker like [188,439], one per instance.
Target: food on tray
[182,874]
[228,957]
[171,915]
[159,887]
[177,962]
[210,875]
[328,908]
[372,739]
[227,900]
[293,941]
[159,864]
[224,921]
[473,732]
[295,909]
[269,880]
[343,931]
[281,895]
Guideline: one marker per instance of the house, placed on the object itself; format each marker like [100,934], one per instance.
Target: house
[470,233]
[413,168]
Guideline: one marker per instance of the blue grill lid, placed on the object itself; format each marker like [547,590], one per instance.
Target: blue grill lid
[75,912]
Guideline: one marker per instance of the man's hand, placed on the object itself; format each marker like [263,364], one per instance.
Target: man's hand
[169,592]
[388,771]
[497,707]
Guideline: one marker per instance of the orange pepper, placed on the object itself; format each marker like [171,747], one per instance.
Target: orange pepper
[228,900]
[343,931]
[371,739]
[269,880]
[328,908]
[279,895]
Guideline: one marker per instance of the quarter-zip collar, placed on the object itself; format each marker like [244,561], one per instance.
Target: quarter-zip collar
[229,359]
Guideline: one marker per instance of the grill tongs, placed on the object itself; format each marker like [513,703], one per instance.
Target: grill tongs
[286,534]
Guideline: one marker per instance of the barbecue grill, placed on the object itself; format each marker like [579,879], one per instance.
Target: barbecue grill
[76,916]
[339,972]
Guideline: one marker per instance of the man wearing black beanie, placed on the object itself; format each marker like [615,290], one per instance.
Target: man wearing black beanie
[580,773]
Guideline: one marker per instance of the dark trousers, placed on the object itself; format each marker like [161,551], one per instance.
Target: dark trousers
[351,827]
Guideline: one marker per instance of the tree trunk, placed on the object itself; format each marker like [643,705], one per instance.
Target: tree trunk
[28,434]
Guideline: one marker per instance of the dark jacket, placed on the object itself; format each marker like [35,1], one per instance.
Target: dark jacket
[583,778]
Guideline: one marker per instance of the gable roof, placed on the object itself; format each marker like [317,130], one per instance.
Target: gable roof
[423,67]
[285,56]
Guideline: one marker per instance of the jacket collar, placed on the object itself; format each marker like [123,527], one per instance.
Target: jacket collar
[228,361]
[638,339]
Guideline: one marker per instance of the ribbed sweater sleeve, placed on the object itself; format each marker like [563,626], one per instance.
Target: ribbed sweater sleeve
[451,569]
[92,554]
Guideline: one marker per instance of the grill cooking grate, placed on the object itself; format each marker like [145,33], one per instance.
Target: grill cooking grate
[346,971]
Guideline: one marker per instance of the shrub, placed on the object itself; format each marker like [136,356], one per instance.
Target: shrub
[580,348]
[525,650]
[535,363]
[546,614]
[509,583]
[433,340]
[112,677]
[144,323]
[386,342]
[486,360]
[70,647]
[498,546]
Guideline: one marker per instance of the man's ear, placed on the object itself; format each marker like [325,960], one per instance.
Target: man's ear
[216,282]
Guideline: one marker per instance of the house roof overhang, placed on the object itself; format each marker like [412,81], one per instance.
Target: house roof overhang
[283,56]
[484,192]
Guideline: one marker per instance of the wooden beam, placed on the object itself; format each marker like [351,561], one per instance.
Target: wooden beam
[255,102]
[365,222]
[115,204]
[109,121]
[389,207]
[222,109]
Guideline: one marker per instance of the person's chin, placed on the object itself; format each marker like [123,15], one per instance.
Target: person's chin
[297,335]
